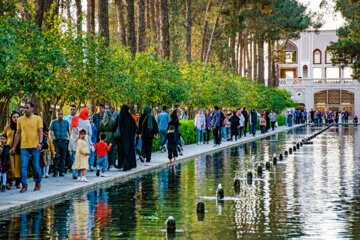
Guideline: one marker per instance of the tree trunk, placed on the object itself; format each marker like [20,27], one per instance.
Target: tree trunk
[4,113]
[103,14]
[90,18]
[121,22]
[250,46]
[212,35]
[78,16]
[240,55]
[131,26]
[248,62]
[255,60]
[141,33]
[164,29]
[68,9]
[39,14]
[157,25]
[261,79]
[205,33]
[188,31]
[275,75]
[233,51]
[152,15]
[148,14]
[270,82]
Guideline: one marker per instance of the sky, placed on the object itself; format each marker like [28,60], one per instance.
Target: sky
[331,20]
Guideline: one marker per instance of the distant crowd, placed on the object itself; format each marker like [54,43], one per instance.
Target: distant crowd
[112,140]
[318,117]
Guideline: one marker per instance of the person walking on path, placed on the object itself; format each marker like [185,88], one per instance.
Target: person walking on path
[98,117]
[72,110]
[77,123]
[273,119]
[93,142]
[207,131]
[263,123]
[267,119]
[163,119]
[30,132]
[15,158]
[125,126]
[246,117]
[148,129]
[59,133]
[200,125]
[4,160]
[172,144]
[253,121]
[216,126]
[68,118]
[82,154]
[174,120]
[102,150]
[48,155]
[107,127]
[241,124]
[235,125]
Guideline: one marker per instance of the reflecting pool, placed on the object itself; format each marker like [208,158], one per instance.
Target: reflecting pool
[311,194]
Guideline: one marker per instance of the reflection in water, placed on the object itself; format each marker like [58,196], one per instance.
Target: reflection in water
[312,194]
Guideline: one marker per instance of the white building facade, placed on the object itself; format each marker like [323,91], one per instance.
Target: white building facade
[315,83]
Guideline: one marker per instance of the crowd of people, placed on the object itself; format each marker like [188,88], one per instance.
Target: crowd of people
[109,140]
[318,117]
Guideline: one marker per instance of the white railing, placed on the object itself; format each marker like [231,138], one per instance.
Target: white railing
[316,82]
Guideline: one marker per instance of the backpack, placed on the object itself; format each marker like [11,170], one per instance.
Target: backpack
[222,118]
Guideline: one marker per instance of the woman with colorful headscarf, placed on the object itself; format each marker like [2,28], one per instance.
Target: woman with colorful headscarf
[106,127]
[126,144]
[77,123]
[148,129]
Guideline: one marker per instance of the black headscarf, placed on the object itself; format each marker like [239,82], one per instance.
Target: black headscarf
[13,125]
[127,138]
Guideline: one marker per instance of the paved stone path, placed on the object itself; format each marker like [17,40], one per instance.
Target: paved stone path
[61,188]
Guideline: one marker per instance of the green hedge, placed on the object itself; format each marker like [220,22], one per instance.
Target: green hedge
[189,134]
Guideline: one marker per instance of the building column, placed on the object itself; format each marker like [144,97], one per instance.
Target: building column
[309,99]
[357,102]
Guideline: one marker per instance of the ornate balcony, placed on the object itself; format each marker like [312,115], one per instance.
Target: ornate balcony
[333,82]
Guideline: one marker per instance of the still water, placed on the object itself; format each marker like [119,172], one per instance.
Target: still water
[312,194]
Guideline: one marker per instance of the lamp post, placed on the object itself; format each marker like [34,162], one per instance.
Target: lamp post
[22,105]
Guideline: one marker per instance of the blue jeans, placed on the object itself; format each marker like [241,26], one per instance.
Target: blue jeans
[92,159]
[223,133]
[25,152]
[200,135]
[253,129]
[162,133]
[102,163]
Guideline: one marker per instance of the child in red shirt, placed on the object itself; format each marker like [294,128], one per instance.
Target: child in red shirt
[101,149]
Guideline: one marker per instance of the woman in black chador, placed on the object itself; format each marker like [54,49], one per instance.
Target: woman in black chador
[126,142]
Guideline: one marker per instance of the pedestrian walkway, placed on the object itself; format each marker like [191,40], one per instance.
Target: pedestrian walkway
[60,188]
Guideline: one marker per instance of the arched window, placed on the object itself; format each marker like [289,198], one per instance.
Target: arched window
[328,56]
[290,51]
[305,71]
[317,56]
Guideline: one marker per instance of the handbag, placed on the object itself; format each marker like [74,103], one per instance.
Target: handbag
[17,149]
